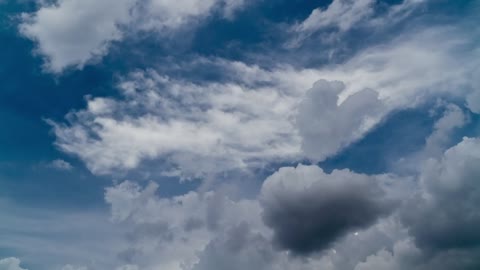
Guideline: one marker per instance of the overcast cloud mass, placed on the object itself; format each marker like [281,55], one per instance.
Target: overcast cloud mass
[239,134]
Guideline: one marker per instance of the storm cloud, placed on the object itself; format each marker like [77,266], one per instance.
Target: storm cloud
[309,209]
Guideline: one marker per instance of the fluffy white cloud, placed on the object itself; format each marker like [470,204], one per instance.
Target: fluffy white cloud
[10,264]
[211,231]
[73,33]
[170,232]
[403,256]
[348,216]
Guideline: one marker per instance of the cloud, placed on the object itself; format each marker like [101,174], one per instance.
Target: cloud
[309,209]
[162,15]
[172,231]
[343,15]
[74,33]
[326,126]
[452,119]
[237,249]
[10,264]
[473,101]
[445,216]
[61,165]
[403,256]
[256,116]
[200,128]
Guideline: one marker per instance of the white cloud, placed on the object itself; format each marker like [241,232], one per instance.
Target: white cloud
[60,164]
[251,119]
[403,256]
[162,15]
[473,101]
[200,128]
[340,13]
[196,231]
[10,264]
[326,127]
[73,33]
[171,232]
[343,15]
[452,119]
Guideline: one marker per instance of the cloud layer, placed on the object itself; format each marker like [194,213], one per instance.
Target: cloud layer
[241,129]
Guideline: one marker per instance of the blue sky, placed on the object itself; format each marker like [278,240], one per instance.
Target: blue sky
[239,134]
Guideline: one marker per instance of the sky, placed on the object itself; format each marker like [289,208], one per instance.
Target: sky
[239,134]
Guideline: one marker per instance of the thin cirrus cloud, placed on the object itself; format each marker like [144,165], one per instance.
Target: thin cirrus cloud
[344,15]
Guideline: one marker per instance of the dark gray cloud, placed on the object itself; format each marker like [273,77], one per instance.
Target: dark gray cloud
[308,209]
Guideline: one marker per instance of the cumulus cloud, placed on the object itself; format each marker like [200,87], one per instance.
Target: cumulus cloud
[326,126]
[172,231]
[73,33]
[10,264]
[403,256]
[444,215]
[237,249]
[309,209]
